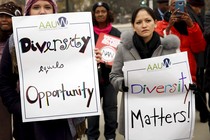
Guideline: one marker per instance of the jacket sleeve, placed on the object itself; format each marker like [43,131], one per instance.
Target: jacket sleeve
[207,37]
[196,38]
[160,27]
[116,75]
[8,84]
[207,25]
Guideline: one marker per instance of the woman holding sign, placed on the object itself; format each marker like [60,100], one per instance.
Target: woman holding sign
[102,19]
[7,11]
[61,129]
[141,43]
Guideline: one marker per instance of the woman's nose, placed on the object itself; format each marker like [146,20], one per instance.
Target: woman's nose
[42,11]
[143,24]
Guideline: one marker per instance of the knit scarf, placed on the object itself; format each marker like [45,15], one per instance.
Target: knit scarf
[104,30]
[146,50]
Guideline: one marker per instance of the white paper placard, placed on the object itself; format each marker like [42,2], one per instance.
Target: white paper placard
[159,104]
[57,66]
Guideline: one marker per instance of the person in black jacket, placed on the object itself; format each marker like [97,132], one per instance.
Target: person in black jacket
[162,7]
[207,72]
[7,11]
[195,8]
[102,19]
[60,129]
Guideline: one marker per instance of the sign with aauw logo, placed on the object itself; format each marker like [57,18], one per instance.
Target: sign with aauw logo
[57,66]
[159,104]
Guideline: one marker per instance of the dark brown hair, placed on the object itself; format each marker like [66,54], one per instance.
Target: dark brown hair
[109,19]
[147,9]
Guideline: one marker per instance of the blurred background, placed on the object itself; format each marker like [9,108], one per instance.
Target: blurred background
[122,8]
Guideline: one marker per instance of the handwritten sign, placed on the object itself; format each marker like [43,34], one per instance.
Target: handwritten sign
[108,46]
[57,66]
[159,104]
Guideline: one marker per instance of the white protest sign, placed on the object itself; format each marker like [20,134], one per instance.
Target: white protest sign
[159,104]
[57,66]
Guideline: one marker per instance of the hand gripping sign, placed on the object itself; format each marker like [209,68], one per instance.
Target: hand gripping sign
[108,46]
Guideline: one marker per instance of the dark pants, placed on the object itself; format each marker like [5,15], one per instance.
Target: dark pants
[200,96]
[42,130]
[109,106]
[5,123]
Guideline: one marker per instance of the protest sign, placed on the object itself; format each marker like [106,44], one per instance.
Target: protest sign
[57,66]
[159,104]
[108,46]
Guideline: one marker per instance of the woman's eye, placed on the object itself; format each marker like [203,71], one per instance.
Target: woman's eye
[35,7]
[103,11]
[138,22]
[148,20]
[48,8]
[97,12]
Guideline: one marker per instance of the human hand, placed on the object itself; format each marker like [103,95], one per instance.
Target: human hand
[124,88]
[98,55]
[173,18]
[107,65]
[186,17]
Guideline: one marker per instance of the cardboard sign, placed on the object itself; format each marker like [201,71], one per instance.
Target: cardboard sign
[159,104]
[57,66]
[108,46]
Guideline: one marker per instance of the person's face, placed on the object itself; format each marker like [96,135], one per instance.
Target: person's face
[101,14]
[172,5]
[163,7]
[5,22]
[41,7]
[144,25]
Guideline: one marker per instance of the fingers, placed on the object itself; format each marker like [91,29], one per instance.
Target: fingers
[172,20]
[186,17]
[98,55]
[177,15]
[174,17]
[175,11]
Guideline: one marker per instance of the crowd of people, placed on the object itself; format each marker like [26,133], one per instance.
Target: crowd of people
[191,30]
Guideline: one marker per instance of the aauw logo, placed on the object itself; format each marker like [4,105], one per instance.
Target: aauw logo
[61,22]
[166,63]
